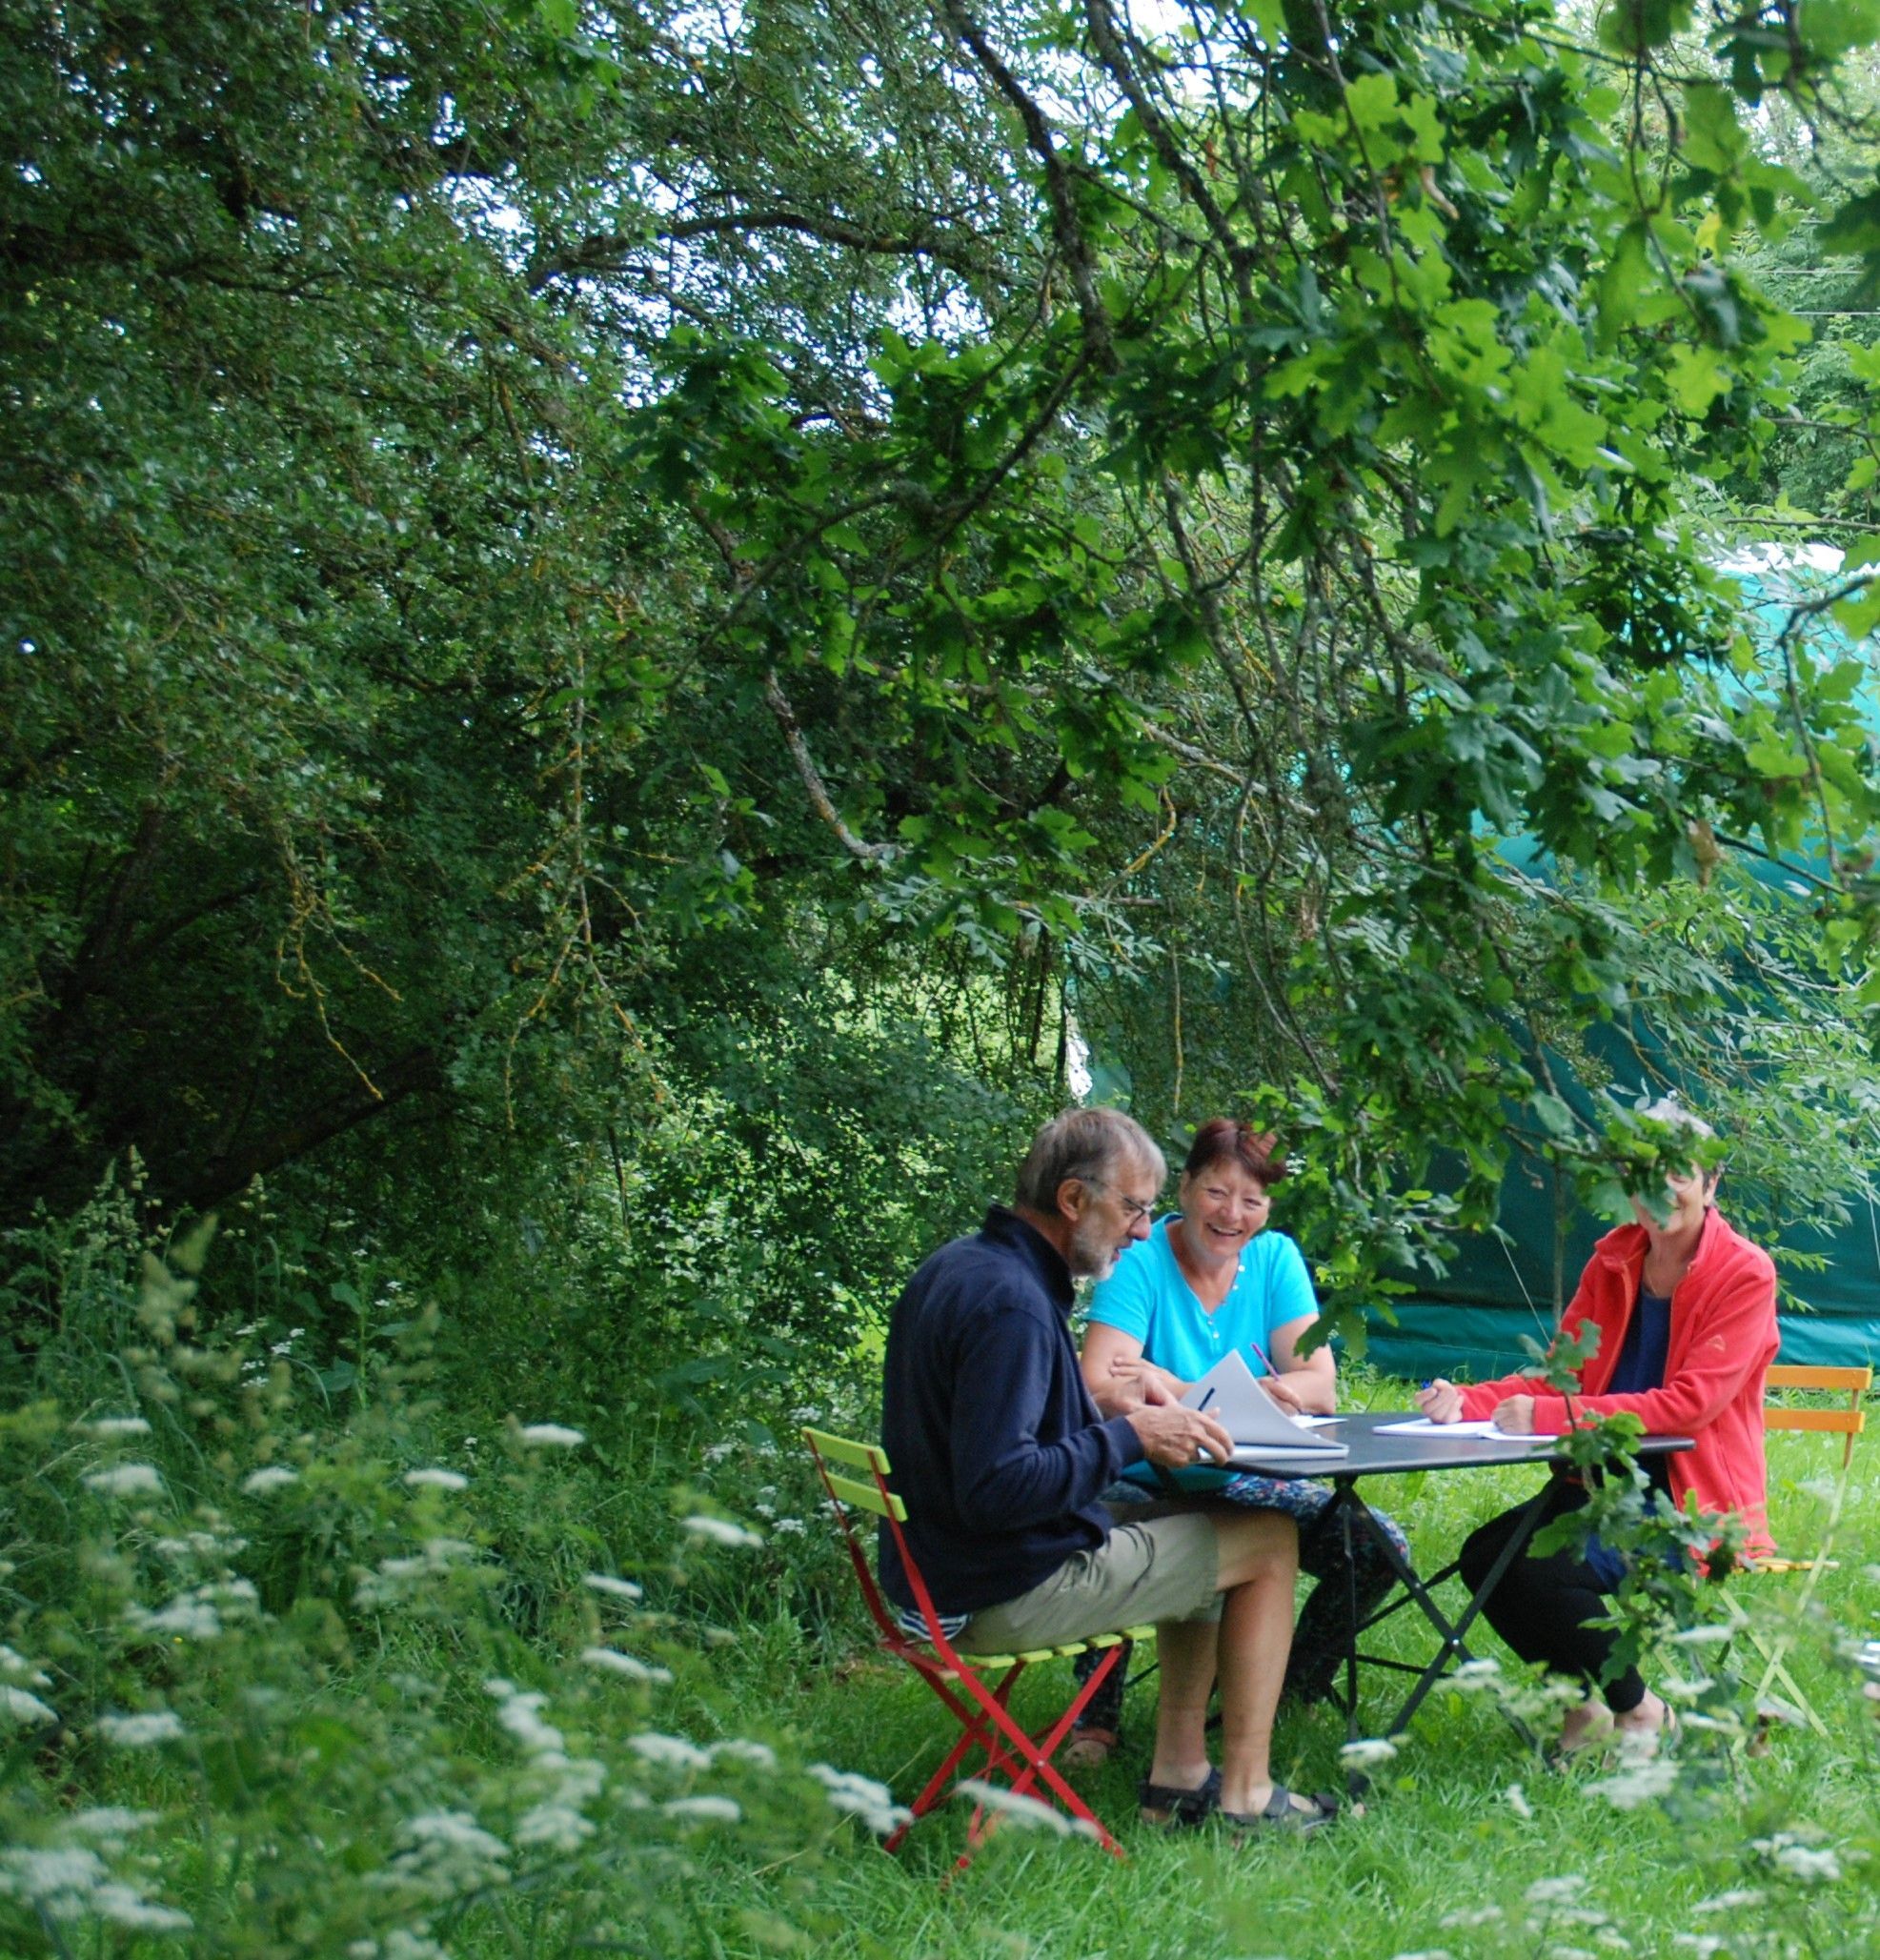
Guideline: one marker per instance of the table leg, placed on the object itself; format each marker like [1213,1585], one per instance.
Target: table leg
[1453,1647]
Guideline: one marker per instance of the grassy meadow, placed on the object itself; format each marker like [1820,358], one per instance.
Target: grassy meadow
[298,1660]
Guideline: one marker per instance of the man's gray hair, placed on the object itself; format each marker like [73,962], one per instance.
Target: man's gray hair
[1085,1144]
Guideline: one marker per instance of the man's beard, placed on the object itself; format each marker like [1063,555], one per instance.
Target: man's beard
[1093,1252]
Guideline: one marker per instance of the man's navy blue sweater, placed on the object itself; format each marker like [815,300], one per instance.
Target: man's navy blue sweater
[995,1445]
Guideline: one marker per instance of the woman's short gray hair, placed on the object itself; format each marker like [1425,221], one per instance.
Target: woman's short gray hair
[1084,1144]
[1668,1109]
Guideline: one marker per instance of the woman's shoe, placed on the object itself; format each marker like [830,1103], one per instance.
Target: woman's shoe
[1089,1748]
[1282,1813]
[1161,1803]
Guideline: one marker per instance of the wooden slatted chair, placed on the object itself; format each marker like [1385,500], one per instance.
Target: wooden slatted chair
[1847,1424]
[976,1688]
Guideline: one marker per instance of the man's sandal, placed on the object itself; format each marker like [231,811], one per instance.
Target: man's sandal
[1282,1813]
[1161,1803]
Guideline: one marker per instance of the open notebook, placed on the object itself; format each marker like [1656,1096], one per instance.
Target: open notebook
[1262,1431]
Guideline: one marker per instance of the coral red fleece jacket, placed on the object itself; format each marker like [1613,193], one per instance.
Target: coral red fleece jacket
[1723,1339]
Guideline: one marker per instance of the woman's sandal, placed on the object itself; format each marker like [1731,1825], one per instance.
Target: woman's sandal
[1282,1814]
[1161,1803]
[1089,1748]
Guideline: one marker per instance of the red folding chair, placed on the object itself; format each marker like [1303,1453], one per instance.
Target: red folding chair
[981,1707]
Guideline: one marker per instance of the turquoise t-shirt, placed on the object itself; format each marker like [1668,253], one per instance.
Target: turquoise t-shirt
[1146,1296]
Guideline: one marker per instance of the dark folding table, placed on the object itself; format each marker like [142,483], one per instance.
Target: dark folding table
[1375,1455]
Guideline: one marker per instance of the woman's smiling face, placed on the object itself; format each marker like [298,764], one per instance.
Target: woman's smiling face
[1222,1206]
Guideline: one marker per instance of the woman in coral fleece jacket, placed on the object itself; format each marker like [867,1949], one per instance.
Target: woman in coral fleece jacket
[1685,1313]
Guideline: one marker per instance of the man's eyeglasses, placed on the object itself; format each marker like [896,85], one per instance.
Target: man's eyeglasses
[1132,1208]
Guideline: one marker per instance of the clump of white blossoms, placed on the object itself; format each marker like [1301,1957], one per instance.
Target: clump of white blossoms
[719,1530]
[397,1579]
[1637,1782]
[110,1427]
[270,1477]
[21,1709]
[1032,1813]
[125,1480]
[15,1667]
[613,1588]
[626,1666]
[68,1881]
[433,1478]
[563,1784]
[669,1751]
[141,1731]
[1368,1752]
[707,1809]
[549,1436]
[861,1796]
[1789,1854]
[443,1854]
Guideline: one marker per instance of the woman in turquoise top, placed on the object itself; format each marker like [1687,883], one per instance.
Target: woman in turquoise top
[1208,1278]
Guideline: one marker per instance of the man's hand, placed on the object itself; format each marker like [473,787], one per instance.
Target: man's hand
[1134,1382]
[1174,1437]
[1442,1401]
[1516,1415]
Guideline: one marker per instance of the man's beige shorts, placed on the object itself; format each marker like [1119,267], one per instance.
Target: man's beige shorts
[1164,1569]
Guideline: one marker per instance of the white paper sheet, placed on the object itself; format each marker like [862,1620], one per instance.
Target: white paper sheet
[1422,1427]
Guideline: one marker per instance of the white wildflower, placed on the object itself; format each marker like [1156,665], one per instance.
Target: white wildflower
[1806,1863]
[1366,1753]
[437,1480]
[626,1666]
[1470,1917]
[185,1617]
[789,1527]
[125,1480]
[140,1732]
[1738,1899]
[555,1826]
[1425,1953]
[23,1710]
[1032,1812]
[549,1436]
[122,1905]
[1480,1673]
[58,1880]
[1516,1799]
[446,1853]
[1701,1944]
[395,1579]
[1643,1782]
[1703,1636]
[613,1588]
[270,1477]
[1555,1891]
[18,1667]
[718,1451]
[199,1544]
[669,1751]
[758,1756]
[109,1427]
[109,1824]
[861,1796]
[808,1414]
[719,1530]
[520,1717]
[703,1810]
